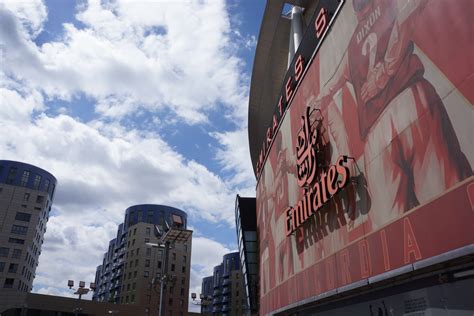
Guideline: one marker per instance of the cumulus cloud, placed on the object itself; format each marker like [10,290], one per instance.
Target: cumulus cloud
[234,156]
[31,14]
[134,55]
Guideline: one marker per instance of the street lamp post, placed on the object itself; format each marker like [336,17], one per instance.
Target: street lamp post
[81,290]
[166,239]
[204,300]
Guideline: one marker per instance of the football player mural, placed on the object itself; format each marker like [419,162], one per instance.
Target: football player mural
[393,95]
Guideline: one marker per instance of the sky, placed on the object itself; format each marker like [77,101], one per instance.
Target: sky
[129,102]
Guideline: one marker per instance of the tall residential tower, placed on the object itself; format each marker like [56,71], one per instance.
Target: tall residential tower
[132,270]
[26,196]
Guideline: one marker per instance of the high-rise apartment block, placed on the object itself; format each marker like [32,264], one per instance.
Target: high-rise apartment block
[228,294]
[26,196]
[133,266]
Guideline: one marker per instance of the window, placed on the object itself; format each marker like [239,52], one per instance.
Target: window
[184,259]
[135,274]
[130,221]
[147,263]
[147,240]
[136,263]
[132,298]
[133,242]
[170,302]
[148,251]
[24,178]
[148,231]
[134,232]
[8,283]
[174,255]
[128,287]
[148,299]
[134,286]
[146,274]
[37,182]
[39,199]
[172,267]
[26,197]
[183,269]
[19,230]
[16,241]
[12,268]
[182,292]
[24,217]
[159,264]
[46,185]
[11,175]
[2,266]
[4,251]
[16,253]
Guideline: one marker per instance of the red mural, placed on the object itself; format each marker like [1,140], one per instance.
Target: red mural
[396,102]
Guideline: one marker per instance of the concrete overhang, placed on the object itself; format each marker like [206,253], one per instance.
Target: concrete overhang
[269,68]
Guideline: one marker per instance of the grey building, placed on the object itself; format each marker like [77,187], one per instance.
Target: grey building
[26,196]
[246,226]
[228,296]
[131,271]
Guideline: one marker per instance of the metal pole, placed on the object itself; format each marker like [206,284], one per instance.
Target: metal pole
[164,278]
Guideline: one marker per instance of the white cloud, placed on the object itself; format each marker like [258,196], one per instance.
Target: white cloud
[134,55]
[234,156]
[31,13]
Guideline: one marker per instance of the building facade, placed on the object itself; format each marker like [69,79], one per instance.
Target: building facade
[26,196]
[360,131]
[246,226]
[228,295]
[131,271]
[207,289]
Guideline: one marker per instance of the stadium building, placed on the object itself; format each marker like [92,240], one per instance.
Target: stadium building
[361,138]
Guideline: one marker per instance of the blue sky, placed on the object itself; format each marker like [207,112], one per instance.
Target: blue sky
[129,103]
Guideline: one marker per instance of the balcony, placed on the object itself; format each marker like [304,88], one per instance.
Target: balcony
[216,292]
[216,301]
[226,299]
[226,290]
[225,308]
[216,309]
[227,282]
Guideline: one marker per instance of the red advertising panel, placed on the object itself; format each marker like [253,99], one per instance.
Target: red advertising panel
[371,166]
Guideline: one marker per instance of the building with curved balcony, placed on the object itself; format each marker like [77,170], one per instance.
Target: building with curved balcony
[131,270]
[207,289]
[26,197]
[228,295]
